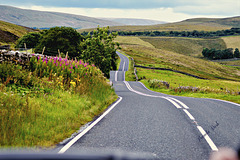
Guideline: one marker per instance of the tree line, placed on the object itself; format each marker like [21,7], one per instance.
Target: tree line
[194,34]
[214,54]
[97,48]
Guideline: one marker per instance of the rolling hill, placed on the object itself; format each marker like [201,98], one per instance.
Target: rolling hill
[200,24]
[134,21]
[40,19]
[9,33]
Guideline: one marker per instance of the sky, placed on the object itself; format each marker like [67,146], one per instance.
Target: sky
[162,10]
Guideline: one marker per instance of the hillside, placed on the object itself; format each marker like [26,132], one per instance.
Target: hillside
[134,21]
[9,33]
[200,24]
[40,19]
[146,54]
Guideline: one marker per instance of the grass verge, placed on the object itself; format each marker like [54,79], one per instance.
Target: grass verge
[218,89]
[41,111]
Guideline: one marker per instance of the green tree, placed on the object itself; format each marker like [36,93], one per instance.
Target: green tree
[236,53]
[31,39]
[100,49]
[66,39]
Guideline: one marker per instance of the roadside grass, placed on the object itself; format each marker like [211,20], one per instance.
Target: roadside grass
[232,41]
[219,89]
[186,46]
[43,111]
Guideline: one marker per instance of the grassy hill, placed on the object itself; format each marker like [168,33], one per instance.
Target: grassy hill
[200,24]
[221,81]
[147,54]
[9,33]
[40,19]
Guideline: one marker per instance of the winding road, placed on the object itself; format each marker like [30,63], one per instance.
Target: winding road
[168,127]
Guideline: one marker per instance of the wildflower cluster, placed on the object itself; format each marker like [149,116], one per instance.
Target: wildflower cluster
[64,72]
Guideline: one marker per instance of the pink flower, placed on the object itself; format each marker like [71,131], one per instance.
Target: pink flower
[56,64]
[70,71]
[86,73]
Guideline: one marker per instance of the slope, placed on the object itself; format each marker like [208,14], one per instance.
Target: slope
[41,19]
[200,24]
[9,33]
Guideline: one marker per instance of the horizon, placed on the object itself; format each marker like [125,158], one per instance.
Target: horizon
[160,11]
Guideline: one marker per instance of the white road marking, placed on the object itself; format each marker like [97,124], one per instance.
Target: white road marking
[174,103]
[123,66]
[116,75]
[75,139]
[184,105]
[172,100]
[189,115]
[207,138]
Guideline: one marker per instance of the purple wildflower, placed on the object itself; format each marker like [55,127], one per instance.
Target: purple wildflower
[70,71]
[71,67]
[86,73]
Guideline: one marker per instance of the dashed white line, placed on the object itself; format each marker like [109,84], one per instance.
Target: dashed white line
[185,107]
[123,66]
[116,75]
[69,144]
[207,138]
[189,115]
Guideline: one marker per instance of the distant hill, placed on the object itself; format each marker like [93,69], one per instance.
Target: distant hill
[41,19]
[9,33]
[134,21]
[200,24]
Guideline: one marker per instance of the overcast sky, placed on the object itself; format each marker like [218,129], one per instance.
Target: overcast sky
[162,10]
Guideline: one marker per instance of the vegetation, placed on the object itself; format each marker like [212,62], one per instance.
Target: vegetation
[195,33]
[220,54]
[45,104]
[98,49]
[182,85]
[186,46]
[9,33]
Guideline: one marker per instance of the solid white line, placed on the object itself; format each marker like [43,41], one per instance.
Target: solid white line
[148,95]
[174,103]
[116,75]
[189,115]
[207,138]
[69,144]
[184,105]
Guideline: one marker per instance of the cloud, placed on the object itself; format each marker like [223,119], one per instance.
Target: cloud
[161,14]
[190,7]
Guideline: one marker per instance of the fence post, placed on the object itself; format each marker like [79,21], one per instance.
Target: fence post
[43,50]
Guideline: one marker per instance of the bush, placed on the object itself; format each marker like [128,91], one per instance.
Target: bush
[31,39]
[65,39]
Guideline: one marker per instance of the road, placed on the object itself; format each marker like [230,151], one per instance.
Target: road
[169,127]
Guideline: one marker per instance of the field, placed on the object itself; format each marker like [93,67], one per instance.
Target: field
[222,81]
[186,46]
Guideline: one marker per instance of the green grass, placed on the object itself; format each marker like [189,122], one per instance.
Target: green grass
[223,81]
[40,111]
[219,89]
[186,46]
